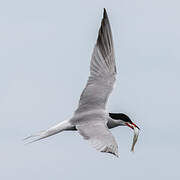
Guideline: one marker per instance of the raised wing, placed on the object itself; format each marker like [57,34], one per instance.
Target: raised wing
[102,71]
[99,136]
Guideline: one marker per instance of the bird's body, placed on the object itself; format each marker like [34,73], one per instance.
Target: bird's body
[91,119]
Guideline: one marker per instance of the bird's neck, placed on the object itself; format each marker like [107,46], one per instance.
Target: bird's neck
[111,123]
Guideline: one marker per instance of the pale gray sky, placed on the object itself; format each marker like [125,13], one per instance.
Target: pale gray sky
[45,50]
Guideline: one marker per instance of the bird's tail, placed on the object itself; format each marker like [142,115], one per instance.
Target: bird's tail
[64,125]
[38,136]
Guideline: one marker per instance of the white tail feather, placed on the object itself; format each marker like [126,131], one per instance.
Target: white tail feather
[64,125]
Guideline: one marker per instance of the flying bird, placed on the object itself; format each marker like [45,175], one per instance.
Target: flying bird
[91,120]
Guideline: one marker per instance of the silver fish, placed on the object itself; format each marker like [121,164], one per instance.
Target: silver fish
[135,138]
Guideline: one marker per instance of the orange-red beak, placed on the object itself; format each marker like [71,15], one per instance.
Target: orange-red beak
[132,125]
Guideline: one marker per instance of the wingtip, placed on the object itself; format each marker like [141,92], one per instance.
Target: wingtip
[117,155]
[105,13]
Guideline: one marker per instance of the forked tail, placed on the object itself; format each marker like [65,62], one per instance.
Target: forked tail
[62,126]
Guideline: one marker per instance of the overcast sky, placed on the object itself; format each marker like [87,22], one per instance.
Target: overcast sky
[45,51]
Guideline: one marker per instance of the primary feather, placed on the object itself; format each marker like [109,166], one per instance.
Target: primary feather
[91,118]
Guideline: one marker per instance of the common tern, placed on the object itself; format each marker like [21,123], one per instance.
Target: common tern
[91,120]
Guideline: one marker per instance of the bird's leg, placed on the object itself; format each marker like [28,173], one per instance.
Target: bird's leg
[62,126]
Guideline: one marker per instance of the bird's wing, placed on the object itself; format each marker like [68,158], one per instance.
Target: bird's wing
[102,70]
[99,136]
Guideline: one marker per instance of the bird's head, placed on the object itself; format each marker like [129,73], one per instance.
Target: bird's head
[125,120]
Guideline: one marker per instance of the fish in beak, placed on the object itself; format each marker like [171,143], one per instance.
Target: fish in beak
[136,134]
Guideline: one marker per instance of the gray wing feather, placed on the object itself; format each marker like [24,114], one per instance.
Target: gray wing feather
[103,60]
[102,70]
[99,137]
[95,95]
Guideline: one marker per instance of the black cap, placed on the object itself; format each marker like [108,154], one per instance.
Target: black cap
[120,116]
